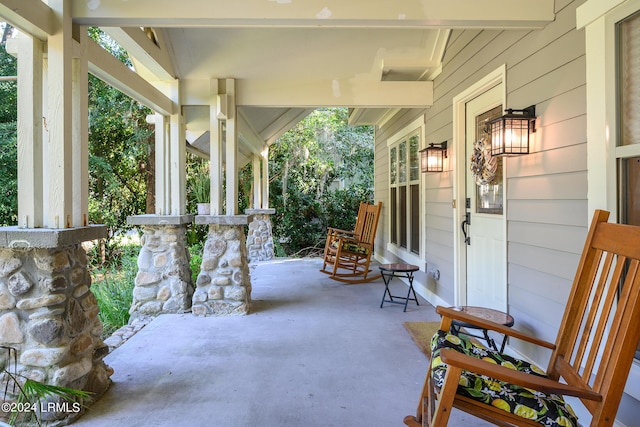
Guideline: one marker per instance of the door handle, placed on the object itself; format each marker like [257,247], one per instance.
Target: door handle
[465,225]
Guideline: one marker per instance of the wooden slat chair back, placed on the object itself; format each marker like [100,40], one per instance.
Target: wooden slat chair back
[334,233]
[347,257]
[594,349]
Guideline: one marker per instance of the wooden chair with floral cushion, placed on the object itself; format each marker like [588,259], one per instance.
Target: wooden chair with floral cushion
[590,359]
[347,256]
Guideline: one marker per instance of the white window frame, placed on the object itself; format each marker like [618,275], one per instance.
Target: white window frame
[417,127]
[599,19]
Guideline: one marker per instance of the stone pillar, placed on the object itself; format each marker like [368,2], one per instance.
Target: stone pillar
[49,315]
[223,287]
[163,283]
[260,236]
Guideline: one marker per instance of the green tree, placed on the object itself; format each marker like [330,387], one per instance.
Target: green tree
[121,148]
[308,165]
[8,135]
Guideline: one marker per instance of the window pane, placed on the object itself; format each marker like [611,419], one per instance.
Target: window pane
[415,219]
[630,196]
[489,194]
[402,162]
[402,215]
[630,190]
[414,160]
[393,164]
[394,217]
[630,80]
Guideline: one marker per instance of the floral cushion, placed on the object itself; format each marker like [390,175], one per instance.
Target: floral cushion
[548,410]
[351,247]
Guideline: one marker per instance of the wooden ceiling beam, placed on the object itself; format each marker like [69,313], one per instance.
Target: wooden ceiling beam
[152,54]
[334,93]
[106,67]
[328,13]
[32,17]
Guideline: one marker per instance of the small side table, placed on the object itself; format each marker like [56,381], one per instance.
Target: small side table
[490,314]
[388,272]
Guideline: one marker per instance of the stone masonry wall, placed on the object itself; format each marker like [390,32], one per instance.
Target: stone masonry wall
[163,283]
[260,238]
[223,287]
[49,315]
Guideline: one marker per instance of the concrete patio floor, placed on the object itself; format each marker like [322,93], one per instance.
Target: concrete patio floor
[313,352]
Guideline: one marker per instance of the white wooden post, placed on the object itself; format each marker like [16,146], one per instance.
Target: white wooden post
[215,149]
[59,120]
[265,178]
[231,145]
[163,188]
[80,136]
[257,182]
[178,161]
[30,113]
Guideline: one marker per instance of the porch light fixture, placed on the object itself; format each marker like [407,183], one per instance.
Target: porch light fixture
[432,157]
[510,133]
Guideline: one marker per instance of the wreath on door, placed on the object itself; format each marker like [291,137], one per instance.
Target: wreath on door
[483,165]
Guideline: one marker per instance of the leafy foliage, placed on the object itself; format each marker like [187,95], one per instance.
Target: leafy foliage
[113,284]
[8,138]
[9,176]
[308,165]
[120,145]
[29,395]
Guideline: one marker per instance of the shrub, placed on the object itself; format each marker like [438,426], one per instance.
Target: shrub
[113,287]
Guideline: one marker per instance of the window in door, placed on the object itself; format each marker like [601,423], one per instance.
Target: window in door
[489,189]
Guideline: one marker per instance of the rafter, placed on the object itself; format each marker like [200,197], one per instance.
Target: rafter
[31,16]
[106,67]
[143,50]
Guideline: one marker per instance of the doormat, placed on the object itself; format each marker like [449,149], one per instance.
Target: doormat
[422,332]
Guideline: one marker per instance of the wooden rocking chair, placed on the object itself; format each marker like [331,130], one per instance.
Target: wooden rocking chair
[347,255]
[590,360]
[333,234]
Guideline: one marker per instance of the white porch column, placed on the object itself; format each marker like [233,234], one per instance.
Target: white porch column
[58,120]
[215,148]
[265,178]
[30,114]
[163,175]
[257,183]
[80,136]
[231,154]
[178,151]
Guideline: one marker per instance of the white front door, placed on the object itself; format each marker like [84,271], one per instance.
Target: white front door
[485,225]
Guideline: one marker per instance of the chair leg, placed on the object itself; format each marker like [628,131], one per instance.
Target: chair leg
[447,394]
[416,421]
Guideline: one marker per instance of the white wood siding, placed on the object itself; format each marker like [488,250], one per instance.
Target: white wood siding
[546,190]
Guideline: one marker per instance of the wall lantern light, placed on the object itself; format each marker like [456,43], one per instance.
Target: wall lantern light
[432,157]
[510,133]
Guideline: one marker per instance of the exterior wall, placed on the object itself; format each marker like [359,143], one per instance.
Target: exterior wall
[546,191]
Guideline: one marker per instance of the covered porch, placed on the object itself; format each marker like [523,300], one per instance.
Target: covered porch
[313,352]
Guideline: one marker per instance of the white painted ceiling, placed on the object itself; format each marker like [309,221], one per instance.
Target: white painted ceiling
[286,56]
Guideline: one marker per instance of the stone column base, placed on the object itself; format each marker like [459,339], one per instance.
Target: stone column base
[49,315]
[223,287]
[163,283]
[260,235]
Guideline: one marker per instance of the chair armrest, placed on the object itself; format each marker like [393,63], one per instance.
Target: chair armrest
[522,379]
[454,314]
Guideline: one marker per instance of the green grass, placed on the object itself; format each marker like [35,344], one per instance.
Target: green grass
[195,260]
[113,287]
[113,281]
